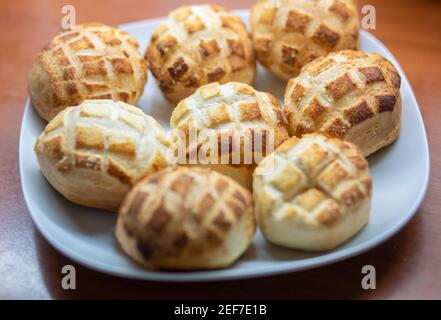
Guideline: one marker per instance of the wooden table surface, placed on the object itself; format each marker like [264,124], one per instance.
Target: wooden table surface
[407,266]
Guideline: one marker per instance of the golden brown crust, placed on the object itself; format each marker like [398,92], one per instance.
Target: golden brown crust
[233,114]
[90,61]
[287,34]
[316,186]
[179,219]
[347,94]
[199,44]
[95,152]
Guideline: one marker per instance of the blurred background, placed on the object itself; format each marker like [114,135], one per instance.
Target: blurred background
[30,267]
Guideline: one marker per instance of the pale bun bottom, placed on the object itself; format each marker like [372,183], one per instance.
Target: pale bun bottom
[84,187]
[315,238]
[234,245]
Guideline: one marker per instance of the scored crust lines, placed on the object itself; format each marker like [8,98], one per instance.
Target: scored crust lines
[199,207]
[106,138]
[221,110]
[95,62]
[217,106]
[317,182]
[323,26]
[197,45]
[340,91]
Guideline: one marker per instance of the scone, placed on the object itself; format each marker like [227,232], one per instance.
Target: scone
[89,61]
[235,126]
[350,95]
[196,45]
[94,153]
[186,218]
[315,193]
[287,34]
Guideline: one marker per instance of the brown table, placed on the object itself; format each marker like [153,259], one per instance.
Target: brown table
[407,266]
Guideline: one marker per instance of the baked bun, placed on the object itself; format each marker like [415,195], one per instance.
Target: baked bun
[186,218]
[315,193]
[235,125]
[89,61]
[287,34]
[350,95]
[94,153]
[197,45]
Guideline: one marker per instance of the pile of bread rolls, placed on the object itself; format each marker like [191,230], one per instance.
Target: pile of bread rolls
[313,192]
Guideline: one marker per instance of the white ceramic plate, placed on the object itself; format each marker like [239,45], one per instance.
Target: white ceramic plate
[400,176]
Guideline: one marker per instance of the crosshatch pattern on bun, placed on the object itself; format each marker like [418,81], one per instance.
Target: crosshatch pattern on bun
[94,153]
[350,95]
[227,113]
[287,34]
[197,45]
[186,218]
[315,193]
[89,61]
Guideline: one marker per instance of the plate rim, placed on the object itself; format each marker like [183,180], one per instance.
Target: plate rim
[232,273]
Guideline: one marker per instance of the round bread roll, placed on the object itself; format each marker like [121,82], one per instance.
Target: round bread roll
[350,95]
[287,34]
[197,45]
[89,61]
[94,153]
[186,218]
[315,193]
[235,127]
